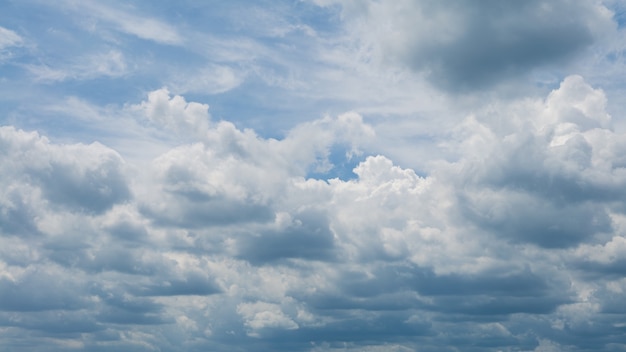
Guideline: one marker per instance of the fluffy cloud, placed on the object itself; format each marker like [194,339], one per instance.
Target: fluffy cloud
[78,177]
[175,114]
[551,179]
[232,238]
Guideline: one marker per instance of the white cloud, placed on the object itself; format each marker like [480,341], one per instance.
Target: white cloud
[9,38]
[224,238]
[213,79]
[553,163]
[107,64]
[78,177]
[210,182]
[175,114]
[260,315]
[123,19]
[9,41]
[578,103]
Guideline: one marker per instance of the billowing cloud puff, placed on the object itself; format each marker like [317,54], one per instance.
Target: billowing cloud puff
[551,177]
[175,114]
[77,177]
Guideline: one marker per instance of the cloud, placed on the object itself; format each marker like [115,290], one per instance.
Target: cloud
[76,177]
[605,259]
[106,64]
[213,79]
[461,46]
[208,183]
[228,238]
[260,315]
[126,21]
[552,181]
[38,290]
[9,38]
[9,42]
[195,284]
[338,193]
[307,236]
[175,114]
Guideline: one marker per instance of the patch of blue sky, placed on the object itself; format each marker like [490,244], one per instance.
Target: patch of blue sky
[339,163]
[619,11]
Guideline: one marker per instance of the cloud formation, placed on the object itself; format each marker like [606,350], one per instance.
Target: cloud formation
[227,237]
[312,176]
[464,46]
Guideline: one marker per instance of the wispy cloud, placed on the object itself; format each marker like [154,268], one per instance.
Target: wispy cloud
[9,38]
[107,64]
[125,19]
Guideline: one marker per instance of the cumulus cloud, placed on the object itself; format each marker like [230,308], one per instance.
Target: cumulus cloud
[553,179]
[229,238]
[261,315]
[175,114]
[76,177]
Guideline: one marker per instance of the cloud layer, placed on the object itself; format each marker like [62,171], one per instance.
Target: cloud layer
[225,241]
[369,176]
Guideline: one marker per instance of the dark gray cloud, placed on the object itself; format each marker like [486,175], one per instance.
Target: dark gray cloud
[464,46]
[308,237]
[120,308]
[496,307]
[16,216]
[37,290]
[193,284]
[109,257]
[616,268]
[128,231]
[496,40]
[94,190]
[495,294]
[196,211]
[55,322]
[520,218]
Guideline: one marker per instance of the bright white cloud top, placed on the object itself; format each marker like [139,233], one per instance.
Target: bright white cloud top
[312,176]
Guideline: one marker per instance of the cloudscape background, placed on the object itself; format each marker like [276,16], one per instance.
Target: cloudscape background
[313,175]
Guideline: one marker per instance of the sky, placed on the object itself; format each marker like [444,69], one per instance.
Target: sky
[313,175]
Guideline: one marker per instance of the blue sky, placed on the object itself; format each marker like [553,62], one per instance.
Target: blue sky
[312,175]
